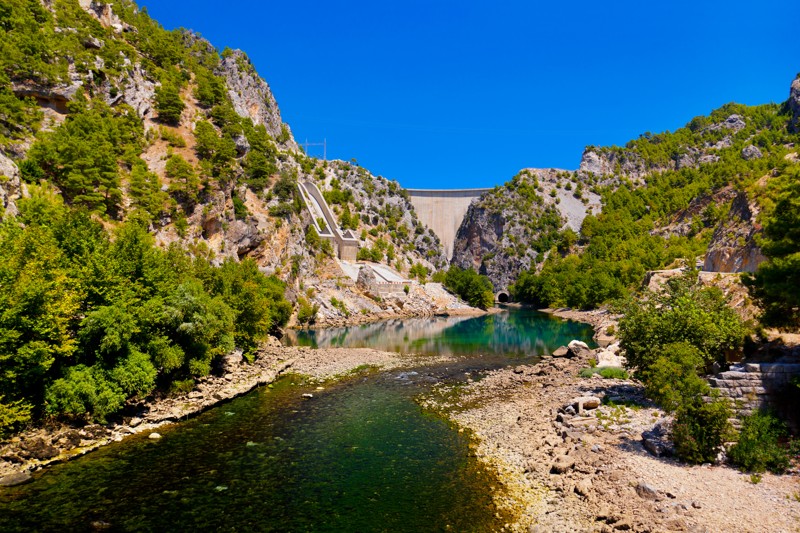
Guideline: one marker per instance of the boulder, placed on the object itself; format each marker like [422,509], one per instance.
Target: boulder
[17,478]
[579,349]
[610,356]
[751,152]
[584,402]
[561,352]
[646,492]
[562,464]
[794,105]
[366,278]
[656,440]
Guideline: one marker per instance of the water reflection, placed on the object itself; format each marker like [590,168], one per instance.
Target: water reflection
[512,332]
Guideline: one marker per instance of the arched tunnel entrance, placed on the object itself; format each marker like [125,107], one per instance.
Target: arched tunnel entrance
[502,297]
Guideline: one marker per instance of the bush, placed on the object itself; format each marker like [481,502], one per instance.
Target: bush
[306,311]
[673,376]
[169,105]
[700,429]
[682,313]
[470,286]
[758,448]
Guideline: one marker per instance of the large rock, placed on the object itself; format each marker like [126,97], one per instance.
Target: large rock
[610,356]
[366,278]
[751,152]
[794,105]
[579,349]
[251,95]
[656,440]
[11,187]
[139,91]
[733,245]
[17,478]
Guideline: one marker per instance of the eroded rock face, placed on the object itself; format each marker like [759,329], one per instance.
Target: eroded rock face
[11,187]
[251,95]
[139,91]
[733,247]
[794,105]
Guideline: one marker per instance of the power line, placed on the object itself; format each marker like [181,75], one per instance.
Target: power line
[324,145]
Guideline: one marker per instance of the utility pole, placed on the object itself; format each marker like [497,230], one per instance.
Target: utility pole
[324,145]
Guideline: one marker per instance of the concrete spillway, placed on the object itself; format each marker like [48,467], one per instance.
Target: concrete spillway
[443,211]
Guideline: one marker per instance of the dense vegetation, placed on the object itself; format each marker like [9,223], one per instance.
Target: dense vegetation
[90,319]
[471,287]
[670,340]
[777,282]
[619,245]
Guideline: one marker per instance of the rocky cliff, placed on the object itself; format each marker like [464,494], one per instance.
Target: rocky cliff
[794,105]
[514,227]
[218,175]
[733,247]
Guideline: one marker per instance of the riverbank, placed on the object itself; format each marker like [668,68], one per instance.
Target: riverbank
[604,322]
[55,442]
[590,471]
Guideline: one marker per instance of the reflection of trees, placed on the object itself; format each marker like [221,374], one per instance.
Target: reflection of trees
[513,332]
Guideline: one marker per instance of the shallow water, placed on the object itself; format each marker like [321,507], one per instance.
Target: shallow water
[358,456]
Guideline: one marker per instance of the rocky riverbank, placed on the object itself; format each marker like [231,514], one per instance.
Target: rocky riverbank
[56,442]
[571,456]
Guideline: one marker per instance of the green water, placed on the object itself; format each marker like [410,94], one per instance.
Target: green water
[358,456]
[513,332]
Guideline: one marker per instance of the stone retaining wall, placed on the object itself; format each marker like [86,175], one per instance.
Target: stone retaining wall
[753,386]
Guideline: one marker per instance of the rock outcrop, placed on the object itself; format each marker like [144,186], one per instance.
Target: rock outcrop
[11,187]
[794,105]
[500,232]
[733,247]
[251,95]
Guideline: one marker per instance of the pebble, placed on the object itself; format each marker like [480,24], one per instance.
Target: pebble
[154,436]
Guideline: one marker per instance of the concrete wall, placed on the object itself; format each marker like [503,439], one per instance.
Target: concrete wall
[443,211]
[345,243]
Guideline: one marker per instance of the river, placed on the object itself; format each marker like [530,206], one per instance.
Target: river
[360,455]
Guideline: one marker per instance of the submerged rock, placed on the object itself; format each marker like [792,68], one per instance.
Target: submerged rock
[17,478]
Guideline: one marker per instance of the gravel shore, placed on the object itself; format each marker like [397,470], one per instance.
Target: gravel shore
[590,471]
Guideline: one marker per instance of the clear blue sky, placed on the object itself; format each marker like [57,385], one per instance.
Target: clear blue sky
[464,94]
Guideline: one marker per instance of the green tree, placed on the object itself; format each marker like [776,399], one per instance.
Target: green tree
[169,105]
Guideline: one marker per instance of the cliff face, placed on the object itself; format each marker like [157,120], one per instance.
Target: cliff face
[514,226]
[234,194]
[733,247]
[794,105]
[251,95]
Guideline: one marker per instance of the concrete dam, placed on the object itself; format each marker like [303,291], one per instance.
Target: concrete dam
[443,210]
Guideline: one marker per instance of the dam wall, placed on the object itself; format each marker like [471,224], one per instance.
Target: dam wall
[443,210]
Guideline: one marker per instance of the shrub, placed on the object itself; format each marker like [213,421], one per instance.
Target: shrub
[758,448]
[306,311]
[683,313]
[672,378]
[700,429]
[607,372]
[169,105]
[473,288]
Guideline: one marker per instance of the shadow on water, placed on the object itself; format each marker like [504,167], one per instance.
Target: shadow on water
[359,456]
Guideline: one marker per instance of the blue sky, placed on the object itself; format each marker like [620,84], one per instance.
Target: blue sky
[441,94]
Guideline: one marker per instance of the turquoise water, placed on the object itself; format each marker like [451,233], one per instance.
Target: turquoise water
[515,332]
[358,456]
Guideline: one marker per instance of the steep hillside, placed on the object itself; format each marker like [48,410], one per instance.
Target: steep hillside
[664,197]
[166,130]
[151,220]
